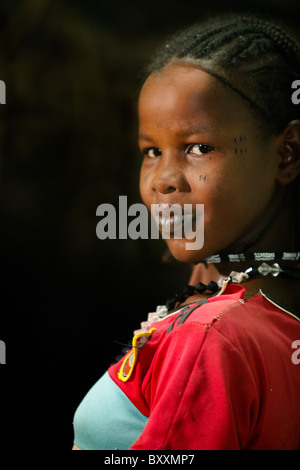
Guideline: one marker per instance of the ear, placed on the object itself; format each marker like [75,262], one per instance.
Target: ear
[289,150]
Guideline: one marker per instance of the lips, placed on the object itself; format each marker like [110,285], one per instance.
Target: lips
[171,218]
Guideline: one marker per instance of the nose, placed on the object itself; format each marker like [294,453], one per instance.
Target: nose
[169,177]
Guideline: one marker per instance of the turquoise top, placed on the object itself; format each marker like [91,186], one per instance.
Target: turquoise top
[106,419]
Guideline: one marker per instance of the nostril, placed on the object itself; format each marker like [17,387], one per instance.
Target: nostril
[163,188]
[171,189]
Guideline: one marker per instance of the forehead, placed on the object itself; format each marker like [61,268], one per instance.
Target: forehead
[181,94]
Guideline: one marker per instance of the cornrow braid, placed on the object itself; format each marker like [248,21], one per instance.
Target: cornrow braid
[288,47]
[254,57]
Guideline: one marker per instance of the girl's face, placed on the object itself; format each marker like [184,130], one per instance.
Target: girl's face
[201,144]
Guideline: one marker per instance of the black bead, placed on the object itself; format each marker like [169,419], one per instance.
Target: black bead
[180,297]
[200,287]
[212,286]
[170,304]
[188,290]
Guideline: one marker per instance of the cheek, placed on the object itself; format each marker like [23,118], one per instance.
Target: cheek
[221,189]
[234,194]
[211,185]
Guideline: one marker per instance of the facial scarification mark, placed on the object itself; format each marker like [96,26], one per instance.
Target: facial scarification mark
[202,177]
[240,144]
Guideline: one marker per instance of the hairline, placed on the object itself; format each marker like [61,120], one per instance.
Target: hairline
[263,122]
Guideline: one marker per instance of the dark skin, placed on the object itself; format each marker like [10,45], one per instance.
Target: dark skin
[202,144]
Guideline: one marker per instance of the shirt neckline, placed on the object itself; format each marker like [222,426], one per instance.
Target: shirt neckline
[280,305]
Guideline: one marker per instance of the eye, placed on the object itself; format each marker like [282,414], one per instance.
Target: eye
[199,149]
[152,152]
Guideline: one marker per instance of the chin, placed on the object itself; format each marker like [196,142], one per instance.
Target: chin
[182,254]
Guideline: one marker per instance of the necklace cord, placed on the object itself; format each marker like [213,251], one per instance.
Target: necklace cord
[263,269]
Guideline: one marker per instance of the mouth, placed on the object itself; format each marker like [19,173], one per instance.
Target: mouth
[172,219]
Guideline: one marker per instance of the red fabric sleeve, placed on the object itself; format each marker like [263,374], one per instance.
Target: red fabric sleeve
[202,391]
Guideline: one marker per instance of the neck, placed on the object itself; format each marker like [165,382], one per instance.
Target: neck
[273,231]
[277,235]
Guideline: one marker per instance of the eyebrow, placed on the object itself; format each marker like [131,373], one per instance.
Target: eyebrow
[183,133]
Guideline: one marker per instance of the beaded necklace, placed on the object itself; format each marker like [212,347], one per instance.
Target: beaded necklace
[212,287]
[238,277]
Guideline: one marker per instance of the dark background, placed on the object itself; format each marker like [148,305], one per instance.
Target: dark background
[67,144]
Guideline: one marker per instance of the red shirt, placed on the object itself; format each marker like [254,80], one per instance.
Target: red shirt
[218,376]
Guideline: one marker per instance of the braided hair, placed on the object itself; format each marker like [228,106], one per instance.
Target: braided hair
[256,58]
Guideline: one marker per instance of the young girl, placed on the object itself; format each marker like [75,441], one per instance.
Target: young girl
[218,366]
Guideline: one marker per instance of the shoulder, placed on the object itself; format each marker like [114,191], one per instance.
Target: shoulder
[229,310]
[199,317]
[225,323]
[205,314]
[188,333]
[254,333]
